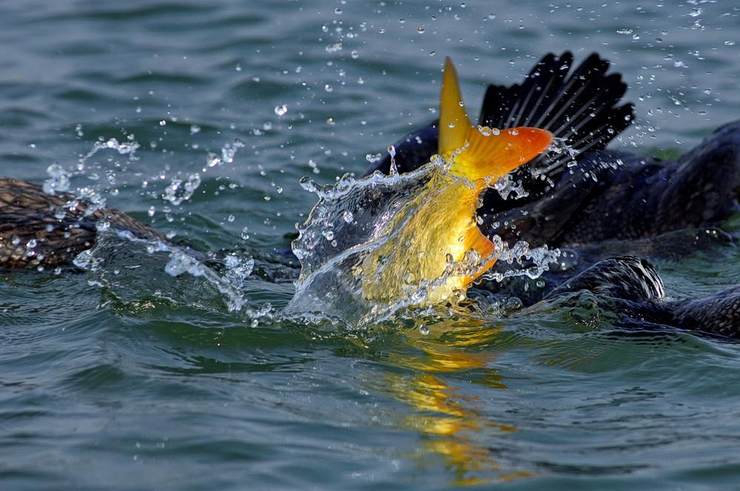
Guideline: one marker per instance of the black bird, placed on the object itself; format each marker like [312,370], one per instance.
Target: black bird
[584,195]
[588,195]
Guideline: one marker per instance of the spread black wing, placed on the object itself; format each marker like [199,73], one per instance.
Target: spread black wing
[578,106]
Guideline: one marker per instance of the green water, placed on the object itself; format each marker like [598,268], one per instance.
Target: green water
[150,382]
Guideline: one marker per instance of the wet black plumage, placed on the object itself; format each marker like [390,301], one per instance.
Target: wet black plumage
[617,195]
[580,108]
[632,287]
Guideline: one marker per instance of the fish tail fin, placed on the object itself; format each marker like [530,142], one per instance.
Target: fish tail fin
[481,153]
[579,106]
[453,119]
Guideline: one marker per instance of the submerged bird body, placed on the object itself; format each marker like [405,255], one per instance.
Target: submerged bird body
[43,230]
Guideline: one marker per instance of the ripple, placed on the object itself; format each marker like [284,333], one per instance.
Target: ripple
[144,12]
[124,388]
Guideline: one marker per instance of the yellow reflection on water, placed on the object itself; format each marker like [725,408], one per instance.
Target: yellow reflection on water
[446,418]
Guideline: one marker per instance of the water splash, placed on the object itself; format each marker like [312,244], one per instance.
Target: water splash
[58,181]
[180,190]
[355,217]
[123,148]
[118,259]
[102,178]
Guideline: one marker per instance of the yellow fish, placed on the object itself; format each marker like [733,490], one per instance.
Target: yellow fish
[437,247]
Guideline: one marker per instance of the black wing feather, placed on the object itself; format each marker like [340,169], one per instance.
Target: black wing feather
[578,106]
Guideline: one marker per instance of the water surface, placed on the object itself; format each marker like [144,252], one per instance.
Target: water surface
[138,380]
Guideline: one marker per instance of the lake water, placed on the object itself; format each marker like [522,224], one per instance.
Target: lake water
[132,379]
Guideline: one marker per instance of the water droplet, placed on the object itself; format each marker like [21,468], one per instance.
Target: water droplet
[372,158]
[281,110]
[213,160]
[58,179]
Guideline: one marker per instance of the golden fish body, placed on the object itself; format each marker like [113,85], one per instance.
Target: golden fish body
[433,234]
[434,249]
